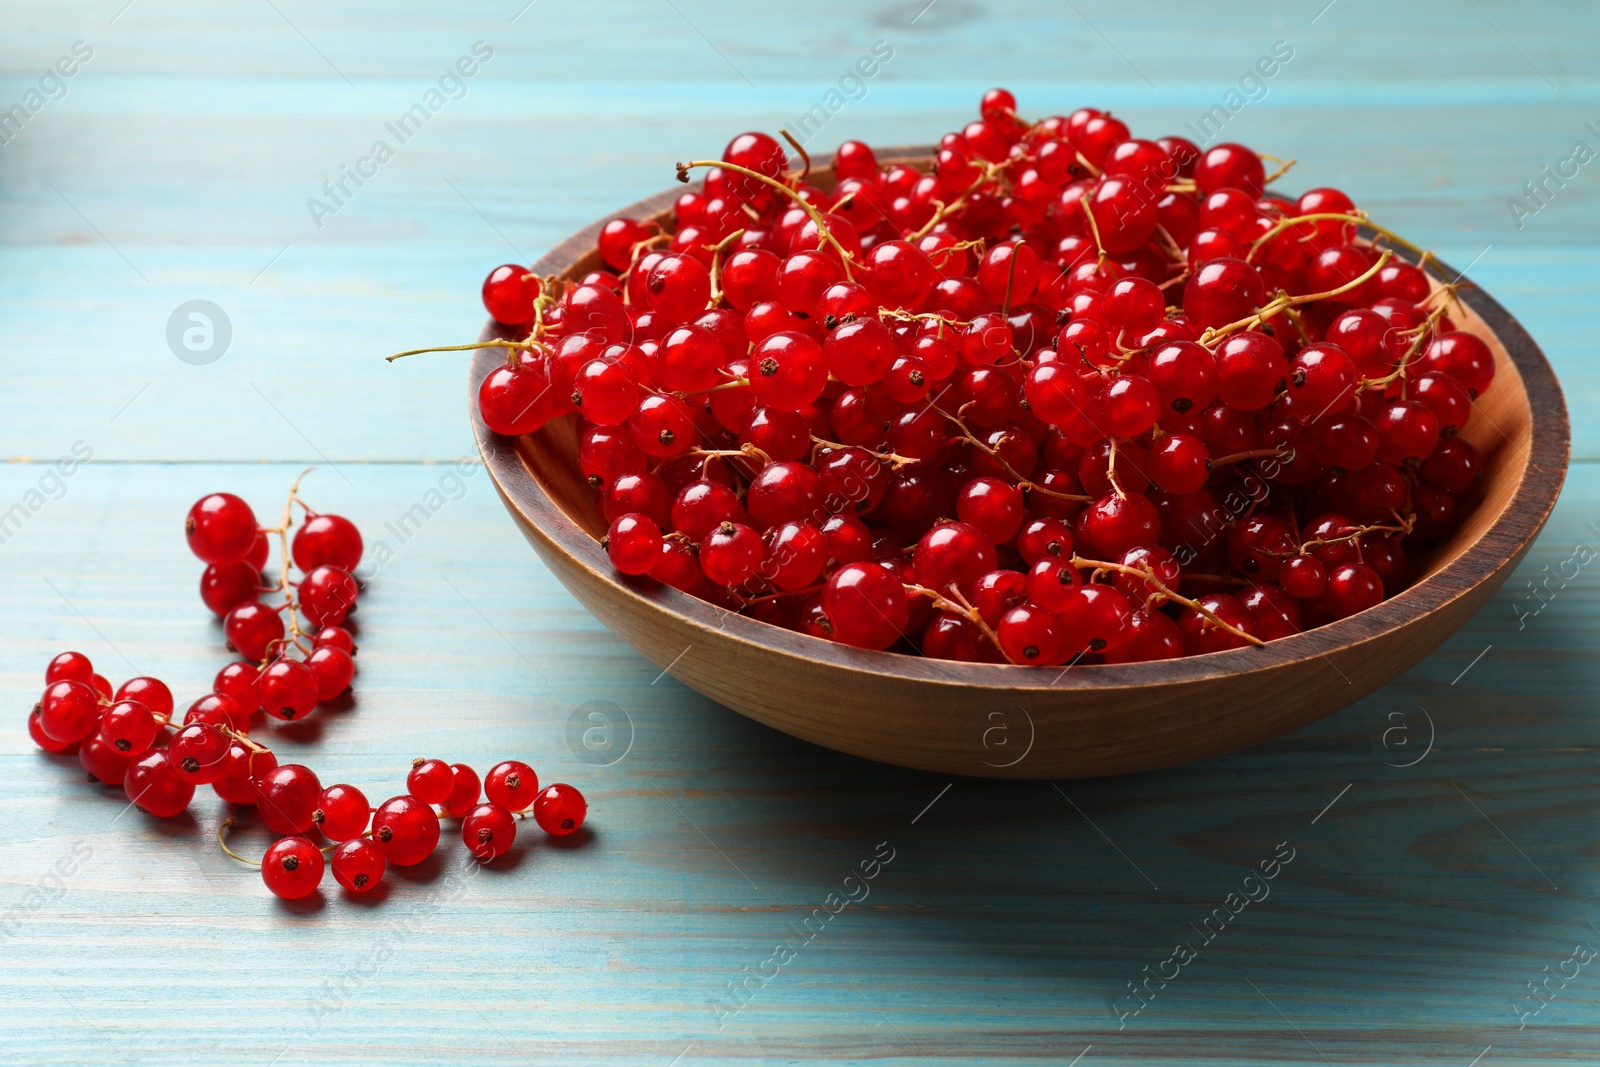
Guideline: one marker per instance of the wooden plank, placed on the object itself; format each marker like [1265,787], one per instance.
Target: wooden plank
[1008,922]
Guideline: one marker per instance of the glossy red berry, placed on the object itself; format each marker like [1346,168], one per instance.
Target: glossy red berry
[430,781]
[151,692]
[199,752]
[155,787]
[240,771]
[69,711]
[508,294]
[341,813]
[253,629]
[237,681]
[103,763]
[511,784]
[287,797]
[129,727]
[559,809]
[327,595]
[288,689]
[358,865]
[326,539]
[69,667]
[292,868]
[633,543]
[405,830]
[488,830]
[465,789]
[865,605]
[333,669]
[221,528]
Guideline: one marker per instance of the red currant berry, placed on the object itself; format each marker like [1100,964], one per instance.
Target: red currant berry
[405,830]
[69,667]
[237,782]
[1229,166]
[327,595]
[342,812]
[1303,577]
[508,294]
[465,789]
[129,727]
[237,681]
[1221,291]
[292,868]
[516,400]
[953,555]
[511,784]
[1031,636]
[287,798]
[155,787]
[488,831]
[252,629]
[1202,635]
[430,780]
[218,710]
[559,810]
[1352,587]
[103,763]
[330,539]
[865,606]
[151,692]
[288,689]
[199,752]
[221,528]
[633,543]
[69,711]
[358,865]
[44,740]
[333,670]
[731,554]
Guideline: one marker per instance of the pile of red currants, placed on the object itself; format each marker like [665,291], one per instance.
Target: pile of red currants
[130,738]
[286,670]
[1055,395]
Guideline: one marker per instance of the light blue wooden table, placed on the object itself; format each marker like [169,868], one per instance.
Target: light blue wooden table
[176,163]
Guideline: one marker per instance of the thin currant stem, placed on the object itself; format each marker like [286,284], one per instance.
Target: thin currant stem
[1021,480]
[894,459]
[1283,302]
[824,234]
[1424,331]
[1240,457]
[1283,168]
[716,266]
[962,608]
[805,157]
[473,347]
[222,830]
[1165,592]
[1094,227]
[943,211]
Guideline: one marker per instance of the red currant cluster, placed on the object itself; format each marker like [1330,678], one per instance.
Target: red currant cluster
[1056,395]
[119,736]
[288,671]
[403,830]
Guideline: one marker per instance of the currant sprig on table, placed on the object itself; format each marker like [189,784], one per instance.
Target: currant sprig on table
[132,739]
[1055,395]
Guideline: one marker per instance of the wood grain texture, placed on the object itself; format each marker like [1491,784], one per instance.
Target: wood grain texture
[1405,930]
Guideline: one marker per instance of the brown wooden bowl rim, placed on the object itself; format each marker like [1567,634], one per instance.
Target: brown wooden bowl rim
[1516,525]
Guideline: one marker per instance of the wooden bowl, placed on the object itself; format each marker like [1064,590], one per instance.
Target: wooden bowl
[1029,722]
